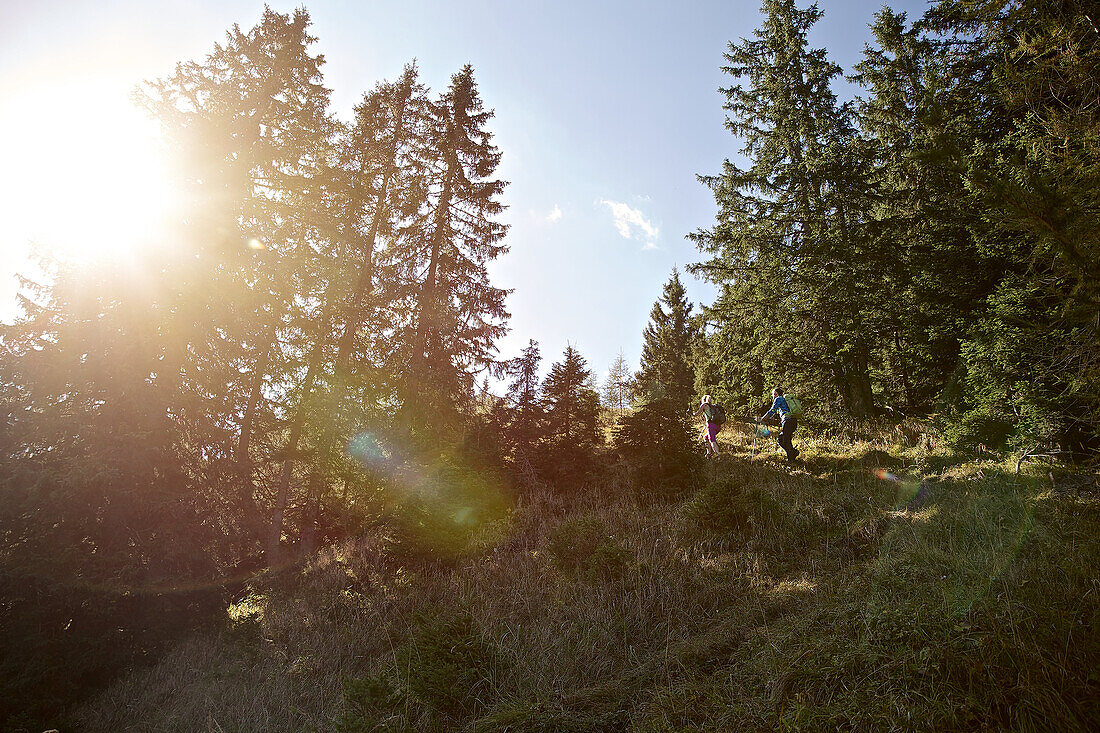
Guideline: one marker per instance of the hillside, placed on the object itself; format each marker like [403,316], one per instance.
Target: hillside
[312,418]
[831,595]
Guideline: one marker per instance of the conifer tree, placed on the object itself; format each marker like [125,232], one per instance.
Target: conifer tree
[102,483]
[1027,78]
[788,231]
[106,499]
[456,313]
[383,161]
[523,420]
[666,369]
[616,389]
[572,406]
[918,215]
[253,283]
[733,355]
[380,179]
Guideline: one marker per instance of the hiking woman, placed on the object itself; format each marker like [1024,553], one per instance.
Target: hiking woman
[787,423]
[710,432]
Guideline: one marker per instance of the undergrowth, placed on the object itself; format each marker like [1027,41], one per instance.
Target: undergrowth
[883,583]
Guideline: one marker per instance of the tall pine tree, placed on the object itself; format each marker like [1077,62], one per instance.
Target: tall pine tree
[256,275]
[456,314]
[666,369]
[788,233]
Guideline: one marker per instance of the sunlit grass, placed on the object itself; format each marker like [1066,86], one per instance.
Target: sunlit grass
[814,601]
[252,607]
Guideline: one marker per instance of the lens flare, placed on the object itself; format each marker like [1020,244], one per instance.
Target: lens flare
[256,244]
[366,448]
[446,490]
[464,516]
[885,475]
[763,431]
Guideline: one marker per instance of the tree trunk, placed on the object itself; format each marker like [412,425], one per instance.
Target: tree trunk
[366,274]
[297,426]
[244,444]
[903,370]
[428,295]
[428,307]
[352,323]
[860,397]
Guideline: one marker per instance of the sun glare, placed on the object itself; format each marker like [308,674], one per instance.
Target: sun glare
[83,176]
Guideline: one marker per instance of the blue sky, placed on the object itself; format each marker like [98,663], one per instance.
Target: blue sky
[605,113]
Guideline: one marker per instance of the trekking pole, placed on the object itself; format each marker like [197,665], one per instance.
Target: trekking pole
[759,431]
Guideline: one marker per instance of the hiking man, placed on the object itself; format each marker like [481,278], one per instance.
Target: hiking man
[788,421]
[715,416]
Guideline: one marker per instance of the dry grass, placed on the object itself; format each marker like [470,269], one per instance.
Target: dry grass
[811,597]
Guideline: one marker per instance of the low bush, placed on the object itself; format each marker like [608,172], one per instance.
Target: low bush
[446,512]
[371,704]
[658,445]
[731,504]
[449,664]
[582,546]
[984,425]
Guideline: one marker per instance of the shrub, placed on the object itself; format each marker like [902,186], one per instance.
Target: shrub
[730,504]
[657,444]
[583,546]
[371,705]
[450,664]
[445,515]
[984,425]
[575,540]
[609,561]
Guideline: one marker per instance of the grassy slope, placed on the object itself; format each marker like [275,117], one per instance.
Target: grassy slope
[805,599]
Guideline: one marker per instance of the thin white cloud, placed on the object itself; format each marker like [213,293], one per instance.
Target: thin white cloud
[552,218]
[632,223]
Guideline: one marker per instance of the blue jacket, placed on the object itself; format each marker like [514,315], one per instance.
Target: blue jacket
[780,407]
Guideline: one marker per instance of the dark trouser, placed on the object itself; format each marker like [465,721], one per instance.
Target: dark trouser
[786,432]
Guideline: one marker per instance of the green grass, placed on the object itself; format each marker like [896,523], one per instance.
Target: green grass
[809,597]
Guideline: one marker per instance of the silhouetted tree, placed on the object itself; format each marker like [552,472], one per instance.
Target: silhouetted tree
[666,369]
[616,389]
[456,314]
[572,407]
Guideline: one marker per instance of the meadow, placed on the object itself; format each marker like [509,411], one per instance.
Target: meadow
[884,583]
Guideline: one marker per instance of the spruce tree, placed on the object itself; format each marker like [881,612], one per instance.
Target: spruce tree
[572,406]
[666,369]
[378,190]
[918,216]
[1027,79]
[383,160]
[616,389]
[456,313]
[257,278]
[789,226]
[732,355]
[523,420]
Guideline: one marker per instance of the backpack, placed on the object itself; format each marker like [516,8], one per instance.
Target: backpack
[718,414]
[795,407]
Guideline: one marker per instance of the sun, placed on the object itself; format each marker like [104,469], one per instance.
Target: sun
[84,177]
